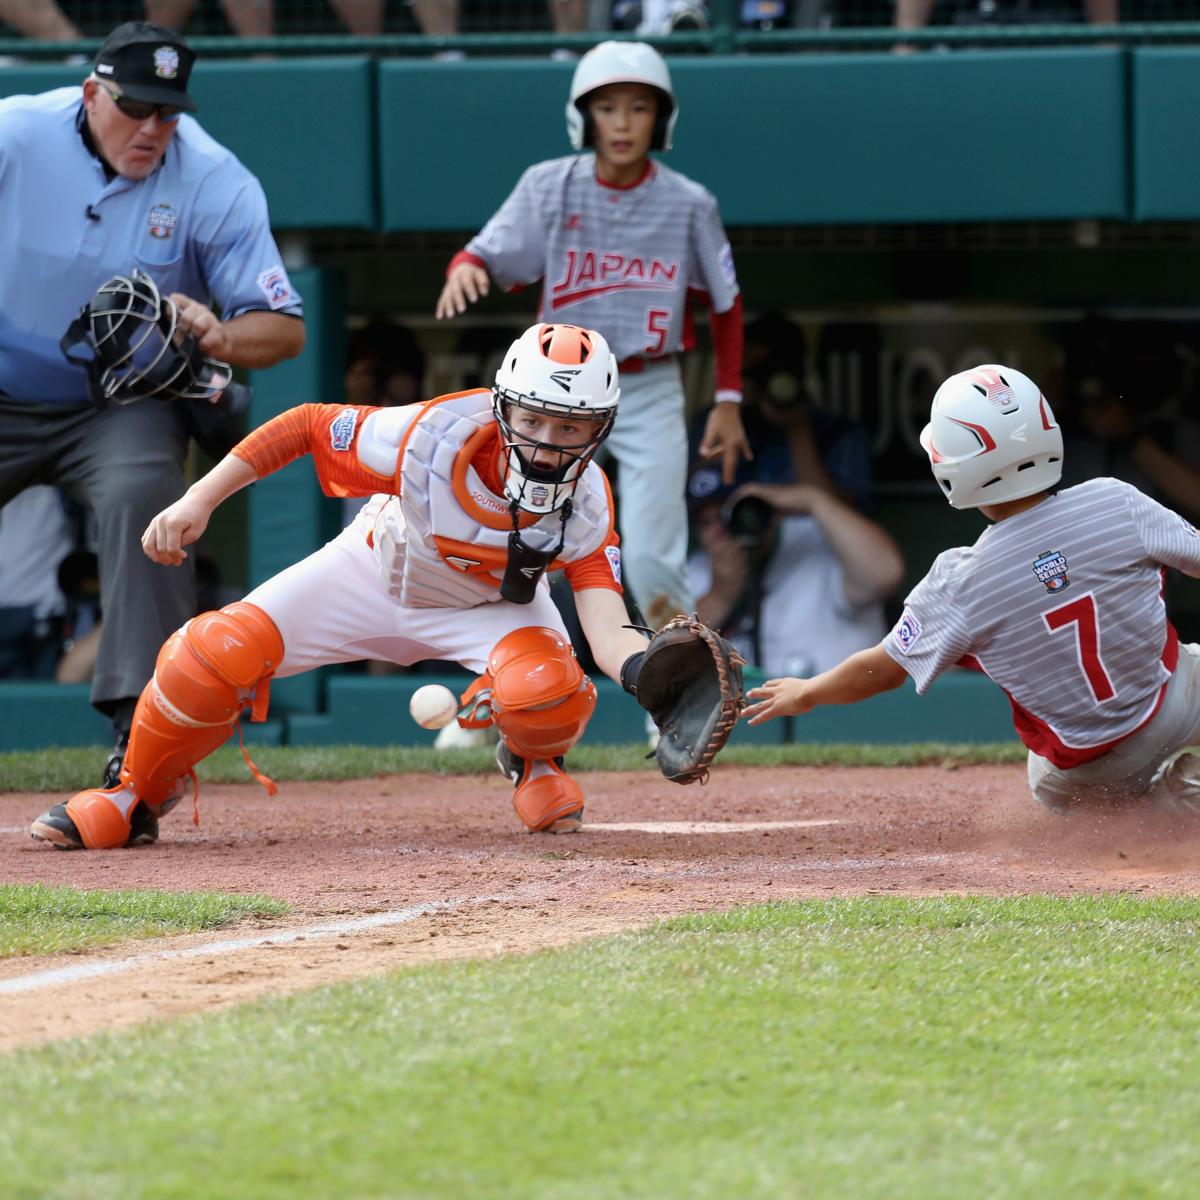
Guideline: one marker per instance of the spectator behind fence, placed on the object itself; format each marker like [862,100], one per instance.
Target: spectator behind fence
[915,14]
[792,574]
[256,18]
[39,20]
[1128,387]
[384,366]
[97,183]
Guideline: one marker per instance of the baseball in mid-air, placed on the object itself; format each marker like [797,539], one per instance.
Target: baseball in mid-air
[433,706]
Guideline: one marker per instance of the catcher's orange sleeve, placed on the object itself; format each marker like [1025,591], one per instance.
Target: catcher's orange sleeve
[329,432]
[597,569]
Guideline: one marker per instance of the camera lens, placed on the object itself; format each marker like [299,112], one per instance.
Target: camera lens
[749,519]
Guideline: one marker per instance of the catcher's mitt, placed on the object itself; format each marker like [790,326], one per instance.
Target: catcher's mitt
[690,682]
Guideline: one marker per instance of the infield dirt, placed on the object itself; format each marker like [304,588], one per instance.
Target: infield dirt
[651,849]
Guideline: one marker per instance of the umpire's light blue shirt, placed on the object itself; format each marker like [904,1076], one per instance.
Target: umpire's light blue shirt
[198,224]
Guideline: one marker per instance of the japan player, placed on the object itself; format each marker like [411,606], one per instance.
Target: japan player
[1060,602]
[621,243]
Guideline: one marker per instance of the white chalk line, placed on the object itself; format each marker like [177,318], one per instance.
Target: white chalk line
[704,826]
[72,974]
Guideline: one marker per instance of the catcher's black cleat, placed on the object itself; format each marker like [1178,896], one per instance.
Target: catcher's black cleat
[143,826]
[57,828]
[116,760]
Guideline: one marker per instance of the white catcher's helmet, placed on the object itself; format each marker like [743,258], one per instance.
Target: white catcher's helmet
[991,437]
[563,371]
[621,62]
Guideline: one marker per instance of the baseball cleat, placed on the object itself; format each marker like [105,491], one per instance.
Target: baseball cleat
[55,827]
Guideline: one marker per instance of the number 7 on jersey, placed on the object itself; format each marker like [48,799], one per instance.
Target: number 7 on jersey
[1082,614]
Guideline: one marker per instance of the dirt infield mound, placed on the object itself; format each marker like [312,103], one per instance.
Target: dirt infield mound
[405,870]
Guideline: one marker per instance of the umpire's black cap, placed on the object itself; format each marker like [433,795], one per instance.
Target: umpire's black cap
[148,63]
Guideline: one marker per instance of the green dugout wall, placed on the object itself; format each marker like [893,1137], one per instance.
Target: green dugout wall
[974,135]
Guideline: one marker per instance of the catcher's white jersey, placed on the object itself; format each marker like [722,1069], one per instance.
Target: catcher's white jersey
[443,542]
[1062,606]
[620,260]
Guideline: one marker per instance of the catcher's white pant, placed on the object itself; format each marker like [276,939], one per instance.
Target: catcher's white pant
[331,607]
[650,443]
[1142,766]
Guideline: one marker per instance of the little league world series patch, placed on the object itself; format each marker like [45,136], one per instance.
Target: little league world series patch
[1051,569]
[341,429]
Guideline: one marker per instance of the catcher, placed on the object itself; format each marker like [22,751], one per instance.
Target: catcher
[475,496]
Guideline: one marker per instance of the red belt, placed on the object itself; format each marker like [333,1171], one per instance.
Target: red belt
[638,363]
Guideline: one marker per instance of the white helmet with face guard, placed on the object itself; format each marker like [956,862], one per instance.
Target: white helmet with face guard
[992,437]
[561,371]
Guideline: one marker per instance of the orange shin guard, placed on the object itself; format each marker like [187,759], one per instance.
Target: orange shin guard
[541,698]
[102,816]
[205,675]
[547,798]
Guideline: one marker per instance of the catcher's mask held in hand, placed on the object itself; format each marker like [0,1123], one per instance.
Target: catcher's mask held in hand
[559,371]
[134,349]
[991,437]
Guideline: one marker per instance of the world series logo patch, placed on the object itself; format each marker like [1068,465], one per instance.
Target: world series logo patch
[162,221]
[166,62]
[1050,567]
[613,554]
[341,429]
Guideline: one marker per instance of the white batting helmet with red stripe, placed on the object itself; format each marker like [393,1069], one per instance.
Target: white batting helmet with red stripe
[992,437]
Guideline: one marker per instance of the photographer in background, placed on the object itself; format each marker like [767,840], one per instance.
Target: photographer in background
[786,563]
[1131,392]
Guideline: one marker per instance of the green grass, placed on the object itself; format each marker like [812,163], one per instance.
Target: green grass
[35,919]
[68,769]
[880,1048]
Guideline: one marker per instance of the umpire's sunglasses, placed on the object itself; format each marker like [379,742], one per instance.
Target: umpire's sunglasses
[141,110]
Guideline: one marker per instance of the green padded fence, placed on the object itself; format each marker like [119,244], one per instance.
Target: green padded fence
[962,707]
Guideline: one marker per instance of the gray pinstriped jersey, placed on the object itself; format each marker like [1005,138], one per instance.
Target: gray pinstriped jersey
[1061,605]
[619,260]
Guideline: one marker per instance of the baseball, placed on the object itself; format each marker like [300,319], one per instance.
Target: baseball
[433,706]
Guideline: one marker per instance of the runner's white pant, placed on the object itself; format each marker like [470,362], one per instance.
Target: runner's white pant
[1129,771]
[332,607]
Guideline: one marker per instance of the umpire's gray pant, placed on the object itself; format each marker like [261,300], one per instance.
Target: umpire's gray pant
[125,463]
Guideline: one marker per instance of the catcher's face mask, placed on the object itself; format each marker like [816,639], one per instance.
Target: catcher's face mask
[546,454]
[133,348]
[555,401]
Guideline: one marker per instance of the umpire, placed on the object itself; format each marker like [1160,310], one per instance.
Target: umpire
[95,185]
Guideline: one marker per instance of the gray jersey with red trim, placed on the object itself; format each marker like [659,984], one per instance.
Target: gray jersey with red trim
[1062,606]
[618,260]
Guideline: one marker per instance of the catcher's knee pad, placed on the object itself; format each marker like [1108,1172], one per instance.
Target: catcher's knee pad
[205,674]
[541,699]
[547,799]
